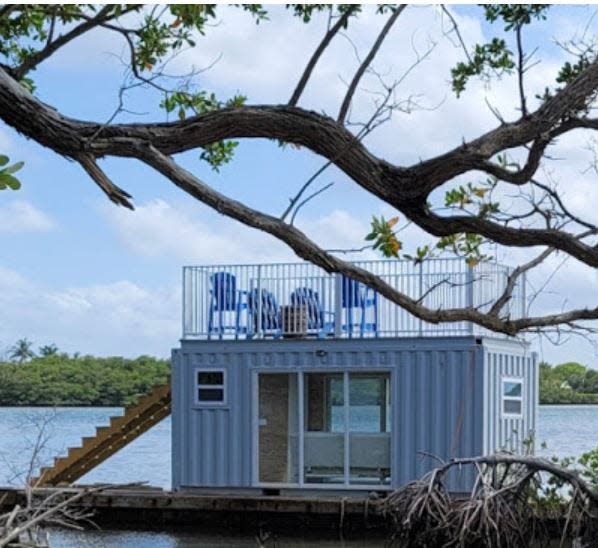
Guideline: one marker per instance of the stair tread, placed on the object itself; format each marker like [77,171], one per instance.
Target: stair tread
[148,410]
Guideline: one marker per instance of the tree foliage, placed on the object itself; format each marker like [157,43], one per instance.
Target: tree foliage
[568,382]
[22,351]
[7,177]
[509,159]
[57,379]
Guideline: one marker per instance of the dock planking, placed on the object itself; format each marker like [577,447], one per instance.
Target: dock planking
[153,508]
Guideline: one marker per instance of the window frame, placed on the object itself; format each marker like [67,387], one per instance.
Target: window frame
[504,397]
[197,387]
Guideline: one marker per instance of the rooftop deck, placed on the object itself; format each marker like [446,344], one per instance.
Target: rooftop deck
[302,300]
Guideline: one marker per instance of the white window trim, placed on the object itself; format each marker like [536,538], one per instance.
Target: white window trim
[504,398]
[197,387]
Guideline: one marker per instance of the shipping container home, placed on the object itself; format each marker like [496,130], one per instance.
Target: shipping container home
[290,378]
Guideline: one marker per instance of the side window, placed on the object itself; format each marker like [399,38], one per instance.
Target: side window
[210,386]
[512,397]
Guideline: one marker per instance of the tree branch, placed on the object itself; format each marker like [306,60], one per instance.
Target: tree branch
[308,250]
[115,194]
[35,59]
[367,62]
[520,70]
[515,237]
[341,23]
[500,303]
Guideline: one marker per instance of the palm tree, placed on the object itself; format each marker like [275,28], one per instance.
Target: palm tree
[48,350]
[21,351]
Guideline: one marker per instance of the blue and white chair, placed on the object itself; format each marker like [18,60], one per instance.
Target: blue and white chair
[264,313]
[227,304]
[360,303]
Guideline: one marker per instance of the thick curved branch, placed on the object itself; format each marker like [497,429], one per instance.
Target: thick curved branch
[523,175]
[514,237]
[341,23]
[308,250]
[554,117]
[404,188]
[342,114]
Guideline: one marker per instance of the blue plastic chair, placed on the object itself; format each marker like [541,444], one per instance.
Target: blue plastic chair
[357,296]
[264,312]
[224,300]
[317,317]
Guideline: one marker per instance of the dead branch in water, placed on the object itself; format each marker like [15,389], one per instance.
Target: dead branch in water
[58,508]
[507,507]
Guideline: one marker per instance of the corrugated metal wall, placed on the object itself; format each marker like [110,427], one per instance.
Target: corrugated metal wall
[501,361]
[438,410]
[211,446]
[438,401]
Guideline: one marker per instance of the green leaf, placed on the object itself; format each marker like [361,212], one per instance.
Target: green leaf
[14,168]
[3,160]
[8,180]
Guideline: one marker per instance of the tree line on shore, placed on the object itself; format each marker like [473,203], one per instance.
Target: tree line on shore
[568,382]
[52,377]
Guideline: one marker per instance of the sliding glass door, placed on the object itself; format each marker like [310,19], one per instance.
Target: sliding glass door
[369,429]
[324,429]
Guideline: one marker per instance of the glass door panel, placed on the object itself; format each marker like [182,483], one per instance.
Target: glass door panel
[278,428]
[324,436]
[369,429]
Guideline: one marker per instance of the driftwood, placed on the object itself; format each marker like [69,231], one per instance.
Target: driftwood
[24,526]
[506,507]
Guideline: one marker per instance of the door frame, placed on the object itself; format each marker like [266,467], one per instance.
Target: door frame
[300,484]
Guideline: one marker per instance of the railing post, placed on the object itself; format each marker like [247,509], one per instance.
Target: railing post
[421,292]
[184,303]
[469,296]
[258,320]
[338,306]
[524,295]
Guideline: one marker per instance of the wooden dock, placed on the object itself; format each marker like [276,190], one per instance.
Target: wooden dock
[249,513]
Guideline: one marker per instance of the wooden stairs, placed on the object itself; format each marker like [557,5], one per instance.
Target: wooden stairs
[138,418]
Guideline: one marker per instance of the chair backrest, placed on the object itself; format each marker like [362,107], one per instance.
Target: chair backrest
[224,291]
[351,293]
[306,296]
[356,294]
[270,314]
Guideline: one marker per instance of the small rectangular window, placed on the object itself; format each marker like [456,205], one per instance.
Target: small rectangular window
[210,377]
[512,397]
[210,387]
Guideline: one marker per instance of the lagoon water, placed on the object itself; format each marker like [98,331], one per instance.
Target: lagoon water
[566,430]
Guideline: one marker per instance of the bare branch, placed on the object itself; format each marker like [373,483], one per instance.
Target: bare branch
[456,30]
[310,197]
[51,47]
[367,62]
[340,23]
[520,70]
[500,303]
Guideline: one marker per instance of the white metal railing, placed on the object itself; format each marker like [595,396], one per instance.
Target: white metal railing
[301,299]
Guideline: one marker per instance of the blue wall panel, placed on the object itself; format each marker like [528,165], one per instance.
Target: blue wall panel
[440,385]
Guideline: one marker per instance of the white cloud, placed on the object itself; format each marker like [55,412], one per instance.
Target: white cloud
[119,318]
[197,235]
[21,216]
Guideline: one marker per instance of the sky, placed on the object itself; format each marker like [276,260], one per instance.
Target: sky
[90,277]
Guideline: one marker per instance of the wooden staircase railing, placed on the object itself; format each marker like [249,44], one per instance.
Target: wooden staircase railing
[138,418]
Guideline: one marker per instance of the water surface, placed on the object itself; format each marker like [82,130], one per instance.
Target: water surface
[566,430]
